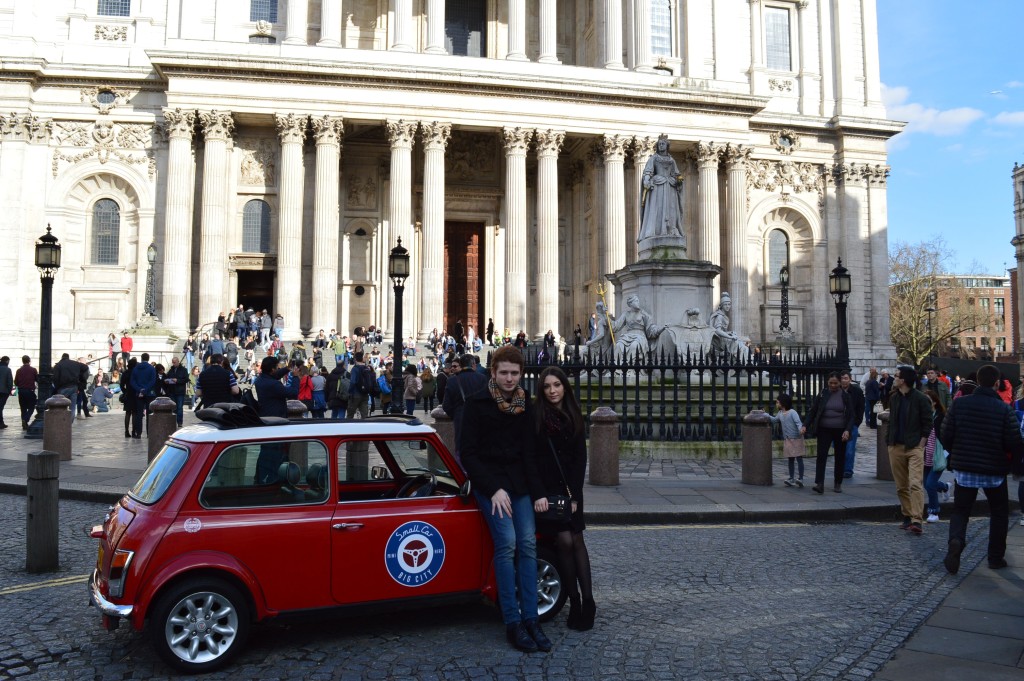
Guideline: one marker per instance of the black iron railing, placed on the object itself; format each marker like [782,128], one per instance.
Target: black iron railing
[679,397]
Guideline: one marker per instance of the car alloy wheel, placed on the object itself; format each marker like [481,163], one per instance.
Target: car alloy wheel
[200,624]
[551,594]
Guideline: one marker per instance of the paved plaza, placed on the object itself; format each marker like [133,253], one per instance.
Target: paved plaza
[825,591]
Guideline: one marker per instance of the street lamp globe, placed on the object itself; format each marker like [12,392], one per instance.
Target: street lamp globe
[48,254]
[784,275]
[398,264]
[151,254]
[839,283]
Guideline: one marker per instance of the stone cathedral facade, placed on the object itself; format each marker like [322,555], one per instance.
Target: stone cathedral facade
[274,151]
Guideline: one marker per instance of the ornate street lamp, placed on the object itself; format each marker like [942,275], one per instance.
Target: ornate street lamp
[48,262]
[784,280]
[398,270]
[839,286]
[150,282]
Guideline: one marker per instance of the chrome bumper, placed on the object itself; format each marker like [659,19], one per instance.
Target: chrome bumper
[102,604]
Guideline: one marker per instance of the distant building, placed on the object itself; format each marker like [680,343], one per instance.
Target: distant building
[995,341]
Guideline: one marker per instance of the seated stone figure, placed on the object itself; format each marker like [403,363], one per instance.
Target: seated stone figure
[725,341]
[634,329]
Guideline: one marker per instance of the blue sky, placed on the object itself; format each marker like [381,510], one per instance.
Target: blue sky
[955,71]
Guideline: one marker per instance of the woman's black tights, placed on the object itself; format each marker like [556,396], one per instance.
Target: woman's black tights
[574,563]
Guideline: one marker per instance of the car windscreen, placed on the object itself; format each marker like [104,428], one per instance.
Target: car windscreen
[160,474]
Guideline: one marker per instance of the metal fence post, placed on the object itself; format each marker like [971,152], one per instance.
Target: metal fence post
[42,509]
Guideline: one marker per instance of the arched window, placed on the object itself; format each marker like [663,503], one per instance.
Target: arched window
[661,28]
[263,10]
[778,255]
[106,231]
[256,227]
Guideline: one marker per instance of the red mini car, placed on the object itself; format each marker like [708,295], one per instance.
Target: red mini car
[238,520]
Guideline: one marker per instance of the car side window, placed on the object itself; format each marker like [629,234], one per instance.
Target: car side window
[361,461]
[268,474]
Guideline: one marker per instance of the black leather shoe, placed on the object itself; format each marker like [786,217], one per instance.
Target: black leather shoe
[519,638]
[997,563]
[588,615]
[537,634]
[820,489]
[838,487]
[952,559]
[575,611]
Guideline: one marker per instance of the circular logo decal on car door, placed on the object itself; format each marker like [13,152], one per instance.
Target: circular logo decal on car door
[414,553]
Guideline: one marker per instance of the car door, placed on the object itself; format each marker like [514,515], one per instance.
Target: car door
[393,548]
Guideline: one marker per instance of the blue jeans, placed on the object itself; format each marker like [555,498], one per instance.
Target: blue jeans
[515,557]
[179,405]
[410,407]
[190,361]
[851,449]
[932,485]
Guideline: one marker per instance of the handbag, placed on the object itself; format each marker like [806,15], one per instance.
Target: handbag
[559,507]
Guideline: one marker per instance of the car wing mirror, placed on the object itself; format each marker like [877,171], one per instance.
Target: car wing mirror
[379,473]
[465,490]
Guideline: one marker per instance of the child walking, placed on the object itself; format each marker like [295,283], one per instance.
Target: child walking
[793,442]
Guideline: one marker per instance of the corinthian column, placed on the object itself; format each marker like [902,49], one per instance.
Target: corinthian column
[736,277]
[516,142]
[549,143]
[178,219]
[213,260]
[329,131]
[402,38]
[295,30]
[516,33]
[401,135]
[548,32]
[291,129]
[613,251]
[435,137]
[435,27]
[708,245]
[613,35]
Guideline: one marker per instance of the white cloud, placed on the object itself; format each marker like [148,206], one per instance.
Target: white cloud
[1015,83]
[927,120]
[1009,118]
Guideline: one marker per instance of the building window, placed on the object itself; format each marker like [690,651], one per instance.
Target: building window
[954,344]
[1000,306]
[778,255]
[984,303]
[263,10]
[106,228]
[465,28]
[661,28]
[1000,345]
[256,227]
[262,39]
[777,39]
[114,8]
[983,344]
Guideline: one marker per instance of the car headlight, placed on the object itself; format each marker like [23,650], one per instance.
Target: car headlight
[119,564]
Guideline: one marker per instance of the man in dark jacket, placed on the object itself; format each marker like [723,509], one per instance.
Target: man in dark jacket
[175,382]
[910,421]
[458,390]
[338,385]
[143,386]
[66,377]
[216,384]
[980,433]
[273,395]
[498,453]
[857,397]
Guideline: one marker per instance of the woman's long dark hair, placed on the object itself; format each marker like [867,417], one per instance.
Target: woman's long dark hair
[571,407]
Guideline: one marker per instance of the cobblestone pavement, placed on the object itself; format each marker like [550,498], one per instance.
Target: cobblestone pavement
[753,601]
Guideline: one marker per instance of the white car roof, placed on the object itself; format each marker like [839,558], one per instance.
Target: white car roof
[206,432]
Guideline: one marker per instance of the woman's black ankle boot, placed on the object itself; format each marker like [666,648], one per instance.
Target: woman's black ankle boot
[575,611]
[588,614]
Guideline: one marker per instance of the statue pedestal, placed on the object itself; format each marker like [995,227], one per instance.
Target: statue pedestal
[668,288]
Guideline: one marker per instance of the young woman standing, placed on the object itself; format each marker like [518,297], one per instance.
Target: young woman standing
[561,452]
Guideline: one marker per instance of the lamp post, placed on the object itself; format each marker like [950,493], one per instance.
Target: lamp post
[839,287]
[48,262]
[150,283]
[931,337]
[784,280]
[398,270]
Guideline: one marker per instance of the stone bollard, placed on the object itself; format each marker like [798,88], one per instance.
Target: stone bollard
[296,409]
[883,469]
[162,423]
[757,449]
[42,547]
[604,447]
[445,428]
[57,427]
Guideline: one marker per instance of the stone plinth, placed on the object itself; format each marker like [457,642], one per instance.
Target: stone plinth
[757,448]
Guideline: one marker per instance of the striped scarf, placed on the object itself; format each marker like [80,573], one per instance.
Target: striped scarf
[517,405]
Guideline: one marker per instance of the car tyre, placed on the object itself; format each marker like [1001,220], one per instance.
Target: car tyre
[551,592]
[200,624]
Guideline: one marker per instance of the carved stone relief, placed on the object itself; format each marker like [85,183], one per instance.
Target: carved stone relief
[361,189]
[103,140]
[259,162]
[112,33]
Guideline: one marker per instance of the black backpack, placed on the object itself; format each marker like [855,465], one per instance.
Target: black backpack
[248,398]
[368,382]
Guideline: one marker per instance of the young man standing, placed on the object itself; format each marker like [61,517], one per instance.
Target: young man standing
[25,379]
[497,451]
[980,433]
[857,397]
[910,421]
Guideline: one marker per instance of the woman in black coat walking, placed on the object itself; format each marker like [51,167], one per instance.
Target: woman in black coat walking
[561,451]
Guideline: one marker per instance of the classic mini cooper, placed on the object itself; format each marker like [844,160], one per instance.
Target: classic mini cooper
[204,544]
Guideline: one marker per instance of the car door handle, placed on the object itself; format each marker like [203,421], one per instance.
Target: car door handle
[347,526]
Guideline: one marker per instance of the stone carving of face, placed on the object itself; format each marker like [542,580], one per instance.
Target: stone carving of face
[726,305]
[662,146]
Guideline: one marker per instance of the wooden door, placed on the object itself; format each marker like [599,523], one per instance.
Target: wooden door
[463,275]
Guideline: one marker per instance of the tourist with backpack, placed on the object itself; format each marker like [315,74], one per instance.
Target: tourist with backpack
[338,385]
[362,386]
